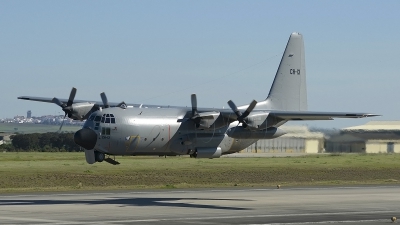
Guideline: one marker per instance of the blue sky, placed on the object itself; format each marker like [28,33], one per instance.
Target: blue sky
[159,52]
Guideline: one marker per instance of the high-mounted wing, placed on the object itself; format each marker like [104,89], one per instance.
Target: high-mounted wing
[74,109]
[50,100]
[263,119]
[309,115]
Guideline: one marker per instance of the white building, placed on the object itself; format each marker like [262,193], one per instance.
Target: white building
[378,136]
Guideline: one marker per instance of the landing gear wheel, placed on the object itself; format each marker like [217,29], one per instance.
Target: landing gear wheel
[194,155]
[99,156]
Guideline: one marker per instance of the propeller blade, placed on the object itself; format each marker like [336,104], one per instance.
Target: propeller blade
[62,123]
[249,109]
[234,108]
[104,99]
[58,102]
[194,104]
[241,117]
[71,97]
[67,108]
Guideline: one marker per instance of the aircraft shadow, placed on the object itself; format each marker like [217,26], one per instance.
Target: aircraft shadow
[127,202]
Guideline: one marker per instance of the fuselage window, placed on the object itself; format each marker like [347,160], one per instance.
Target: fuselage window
[91,118]
[97,118]
[105,131]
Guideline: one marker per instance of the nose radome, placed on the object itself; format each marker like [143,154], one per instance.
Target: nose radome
[85,138]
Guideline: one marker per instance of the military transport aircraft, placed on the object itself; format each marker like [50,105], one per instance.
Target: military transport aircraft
[138,129]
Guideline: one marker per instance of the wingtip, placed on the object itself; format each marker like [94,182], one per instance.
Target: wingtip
[371,115]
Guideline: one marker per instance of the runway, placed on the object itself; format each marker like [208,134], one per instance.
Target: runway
[325,205]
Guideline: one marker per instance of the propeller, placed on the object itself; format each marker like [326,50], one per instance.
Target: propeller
[67,108]
[104,99]
[242,116]
[193,99]
[195,115]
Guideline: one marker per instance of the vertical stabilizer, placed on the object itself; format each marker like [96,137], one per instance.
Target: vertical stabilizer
[288,91]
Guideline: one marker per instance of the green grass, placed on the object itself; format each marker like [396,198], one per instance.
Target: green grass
[69,171]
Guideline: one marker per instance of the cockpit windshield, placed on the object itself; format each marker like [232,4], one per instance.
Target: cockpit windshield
[108,118]
[105,118]
[98,118]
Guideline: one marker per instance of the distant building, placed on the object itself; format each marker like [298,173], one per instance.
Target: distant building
[29,114]
[372,137]
[299,139]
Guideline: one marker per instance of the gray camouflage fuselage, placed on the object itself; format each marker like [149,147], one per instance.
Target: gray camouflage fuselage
[156,131]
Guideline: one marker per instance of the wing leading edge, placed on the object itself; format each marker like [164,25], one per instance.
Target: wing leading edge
[309,115]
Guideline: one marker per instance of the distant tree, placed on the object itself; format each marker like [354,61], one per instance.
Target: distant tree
[48,142]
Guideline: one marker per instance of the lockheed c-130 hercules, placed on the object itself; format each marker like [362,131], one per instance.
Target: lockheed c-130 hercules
[139,129]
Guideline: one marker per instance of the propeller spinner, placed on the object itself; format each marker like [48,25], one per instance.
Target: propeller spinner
[242,116]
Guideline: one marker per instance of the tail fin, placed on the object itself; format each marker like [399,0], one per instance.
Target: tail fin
[288,91]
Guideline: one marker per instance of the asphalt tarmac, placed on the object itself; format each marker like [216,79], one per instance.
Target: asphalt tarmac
[313,205]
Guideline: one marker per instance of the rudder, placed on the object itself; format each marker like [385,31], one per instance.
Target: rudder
[288,91]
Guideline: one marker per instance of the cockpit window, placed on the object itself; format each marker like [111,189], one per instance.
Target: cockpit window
[97,118]
[91,118]
[108,118]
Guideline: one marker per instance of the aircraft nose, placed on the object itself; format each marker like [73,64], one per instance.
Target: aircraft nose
[85,138]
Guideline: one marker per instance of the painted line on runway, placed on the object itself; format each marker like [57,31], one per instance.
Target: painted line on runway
[30,220]
[194,191]
[58,222]
[323,222]
[244,216]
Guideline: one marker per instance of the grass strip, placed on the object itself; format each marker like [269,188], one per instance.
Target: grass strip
[69,171]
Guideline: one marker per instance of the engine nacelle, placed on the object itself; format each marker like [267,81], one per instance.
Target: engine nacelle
[212,120]
[208,153]
[260,121]
[242,133]
[82,110]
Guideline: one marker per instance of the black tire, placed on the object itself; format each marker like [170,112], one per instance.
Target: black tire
[99,156]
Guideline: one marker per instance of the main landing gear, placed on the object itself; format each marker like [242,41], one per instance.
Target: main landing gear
[100,157]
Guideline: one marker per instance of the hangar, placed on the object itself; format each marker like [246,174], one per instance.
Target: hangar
[372,137]
[376,137]
[299,139]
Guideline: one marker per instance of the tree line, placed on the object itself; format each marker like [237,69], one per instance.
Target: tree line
[42,142]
